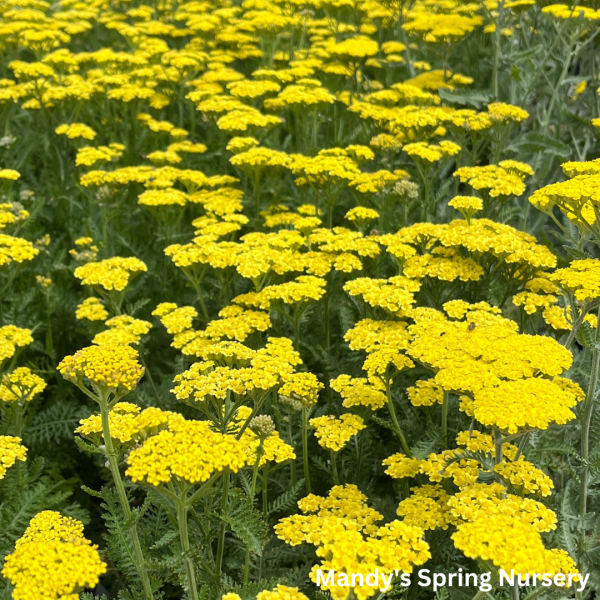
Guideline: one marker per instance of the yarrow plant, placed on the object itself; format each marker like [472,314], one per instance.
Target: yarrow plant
[299,300]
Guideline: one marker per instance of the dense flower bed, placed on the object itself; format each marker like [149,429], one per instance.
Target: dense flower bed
[295,292]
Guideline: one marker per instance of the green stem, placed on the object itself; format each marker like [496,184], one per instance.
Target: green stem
[198,289]
[445,404]
[265,489]
[514,592]
[588,412]
[496,63]
[297,318]
[252,492]
[291,443]
[182,522]
[499,446]
[576,325]
[113,463]
[305,447]
[336,478]
[397,427]
[326,319]
[222,527]
[426,197]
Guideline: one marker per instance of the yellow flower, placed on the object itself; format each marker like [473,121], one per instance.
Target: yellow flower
[52,560]
[12,338]
[333,433]
[110,274]
[343,529]
[91,309]
[122,330]
[11,450]
[111,367]
[21,385]
[127,423]
[187,451]
[9,174]
[581,278]
[76,130]
[281,592]
[510,544]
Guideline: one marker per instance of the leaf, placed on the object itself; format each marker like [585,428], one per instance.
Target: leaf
[286,500]
[56,423]
[91,492]
[86,447]
[245,521]
[165,540]
[537,142]
[475,98]
[577,254]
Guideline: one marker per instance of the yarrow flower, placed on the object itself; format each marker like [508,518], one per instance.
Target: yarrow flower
[187,451]
[91,309]
[11,450]
[110,274]
[11,339]
[343,529]
[112,367]
[53,560]
[127,423]
[20,386]
[333,433]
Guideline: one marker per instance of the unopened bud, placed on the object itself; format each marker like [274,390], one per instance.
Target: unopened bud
[262,426]
[290,403]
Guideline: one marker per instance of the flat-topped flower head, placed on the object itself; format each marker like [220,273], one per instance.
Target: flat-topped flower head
[513,378]
[188,451]
[110,274]
[581,278]
[467,206]
[21,385]
[76,130]
[111,367]
[122,329]
[304,387]
[91,309]
[501,112]
[53,560]
[510,544]
[343,529]
[431,153]
[333,433]
[12,338]
[361,215]
[11,450]
[128,423]
[281,592]
[15,250]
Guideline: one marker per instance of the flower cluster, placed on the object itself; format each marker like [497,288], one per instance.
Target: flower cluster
[53,560]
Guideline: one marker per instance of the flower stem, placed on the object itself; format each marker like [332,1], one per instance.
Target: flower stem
[515,592]
[588,412]
[185,546]
[305,447]
[113,463]
[397,427]
[336,478]
[499,446]
[252,492]
[291,443]
[221,542]
[445,418]
[297,318]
